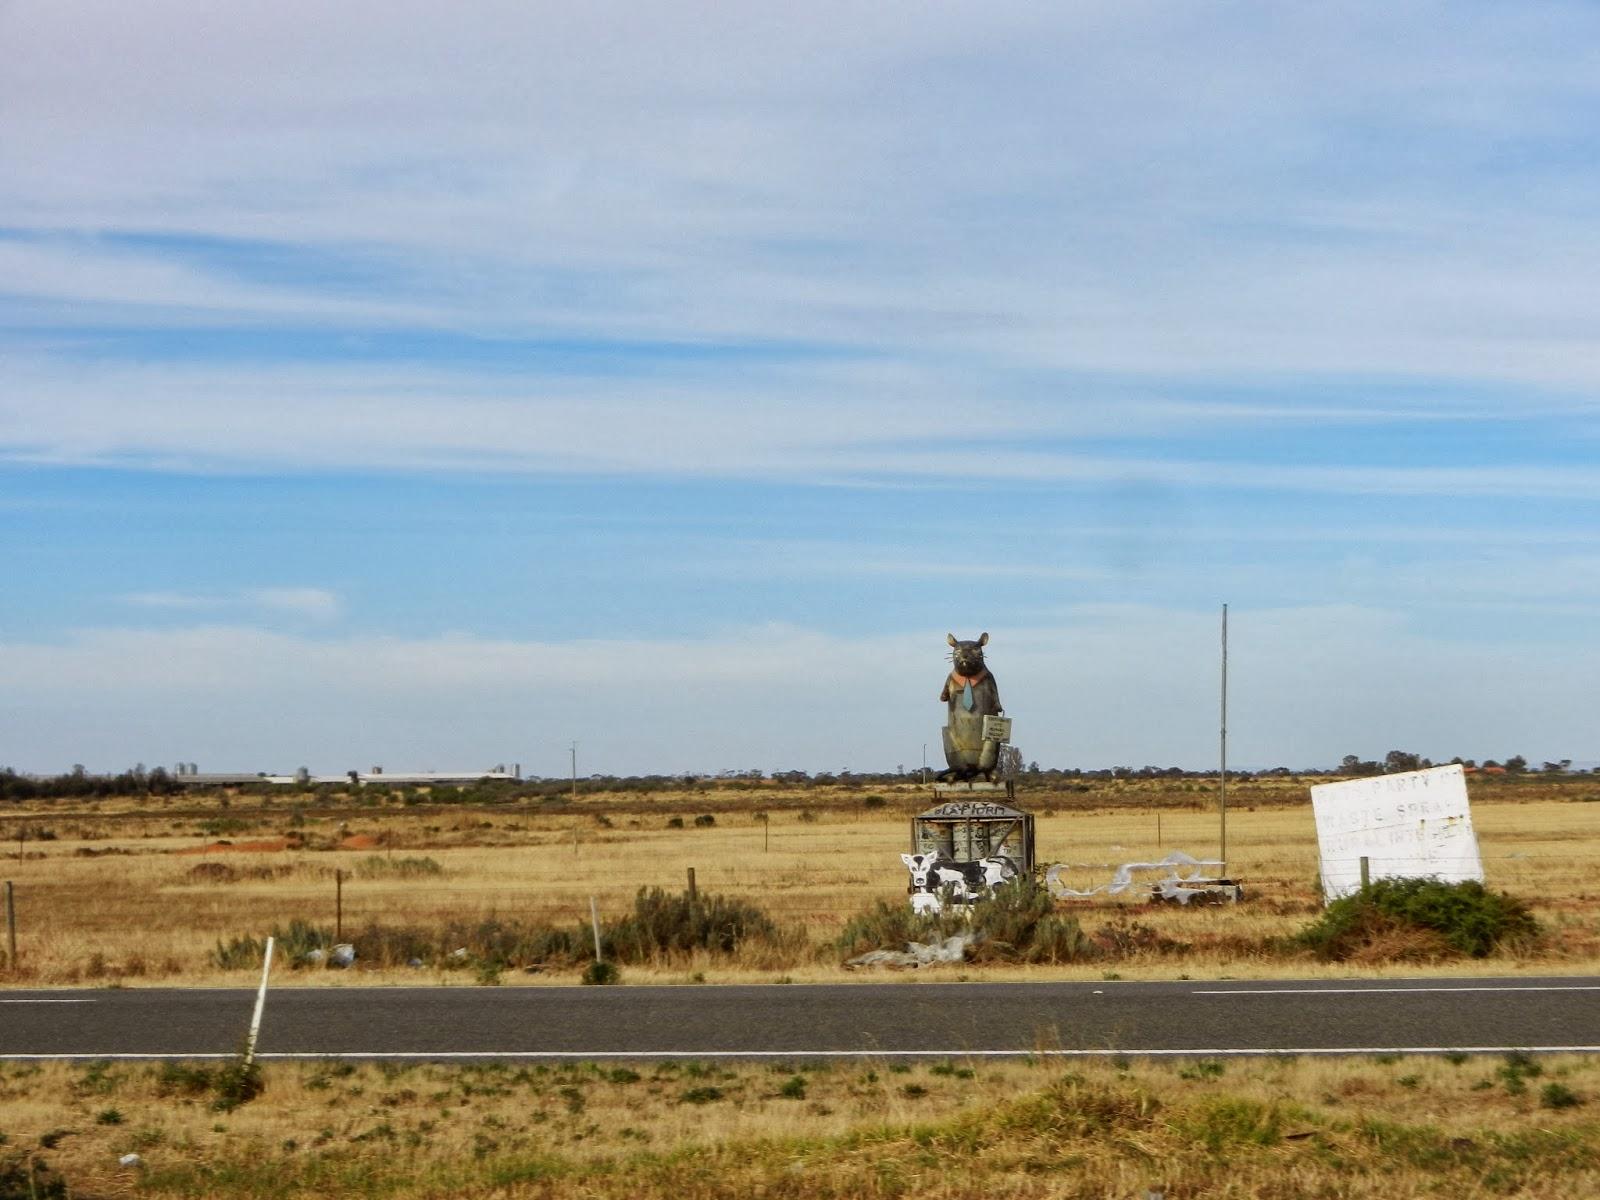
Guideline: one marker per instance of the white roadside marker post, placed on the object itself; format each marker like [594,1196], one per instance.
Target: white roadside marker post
[261,1004]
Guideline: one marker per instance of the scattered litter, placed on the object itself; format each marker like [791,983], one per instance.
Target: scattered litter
[459,954]
[130,1160]
[413,962]
[343,955]
[918,954]
[316,958]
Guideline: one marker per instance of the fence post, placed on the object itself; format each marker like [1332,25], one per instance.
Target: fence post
[11,926]
[594,923]
[1366,872]
[338,905]
[693,896]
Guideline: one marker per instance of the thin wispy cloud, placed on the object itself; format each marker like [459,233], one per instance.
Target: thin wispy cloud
[590,330]
[311,603]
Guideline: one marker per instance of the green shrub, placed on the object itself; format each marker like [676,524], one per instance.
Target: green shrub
[663,923]
[659,924]
[238,953]
[1018,922]
[233,1083]
[890,924]
[294,943]
[500,943]
[183,1079]
[674,822]
[599,973]
[1559,1095]
[395,945]
[489,944]
[237,1082]
[1468,918]
[704,821]
[300,939]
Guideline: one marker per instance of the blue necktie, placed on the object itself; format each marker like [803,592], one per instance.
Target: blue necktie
[966,697]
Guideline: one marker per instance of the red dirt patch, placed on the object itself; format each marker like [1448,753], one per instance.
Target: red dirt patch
[359,841]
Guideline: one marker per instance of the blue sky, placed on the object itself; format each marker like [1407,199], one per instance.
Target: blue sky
[433,387]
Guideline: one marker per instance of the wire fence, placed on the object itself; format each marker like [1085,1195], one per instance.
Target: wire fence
[345,902]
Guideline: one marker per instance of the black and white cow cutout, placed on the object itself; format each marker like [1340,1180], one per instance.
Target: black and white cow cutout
[931,874]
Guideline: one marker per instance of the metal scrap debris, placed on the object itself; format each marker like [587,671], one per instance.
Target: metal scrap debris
[1172,886]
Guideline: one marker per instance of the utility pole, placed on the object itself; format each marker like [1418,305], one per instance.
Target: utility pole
[574,770]
[1224,742]
[924,764]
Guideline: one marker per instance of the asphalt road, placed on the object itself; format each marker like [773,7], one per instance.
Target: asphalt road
[797,1021]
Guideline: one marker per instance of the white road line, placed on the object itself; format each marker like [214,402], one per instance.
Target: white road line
[1583,987]
[597,1055]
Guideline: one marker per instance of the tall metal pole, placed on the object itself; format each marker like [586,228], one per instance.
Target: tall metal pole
[1224,742]
[924,764]
[574,770]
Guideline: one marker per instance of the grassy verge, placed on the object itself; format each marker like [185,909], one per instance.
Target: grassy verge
[127,899]
[1391,1127]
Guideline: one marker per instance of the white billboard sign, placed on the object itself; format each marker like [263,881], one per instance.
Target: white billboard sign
[1409,824]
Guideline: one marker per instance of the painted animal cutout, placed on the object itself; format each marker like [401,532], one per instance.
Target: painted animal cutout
[933,873]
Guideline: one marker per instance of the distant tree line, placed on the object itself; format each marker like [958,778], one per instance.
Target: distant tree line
[138,781]
[78,782]
[1402,760]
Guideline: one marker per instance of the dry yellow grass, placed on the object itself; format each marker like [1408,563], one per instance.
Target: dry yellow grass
[109,899]
[1377,1127]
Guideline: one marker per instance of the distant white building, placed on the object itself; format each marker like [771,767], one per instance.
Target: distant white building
[191,776]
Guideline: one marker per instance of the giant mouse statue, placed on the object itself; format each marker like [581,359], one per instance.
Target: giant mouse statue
[971,694]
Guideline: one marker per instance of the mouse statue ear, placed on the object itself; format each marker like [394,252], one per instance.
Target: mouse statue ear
[951,638]
[983,639]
